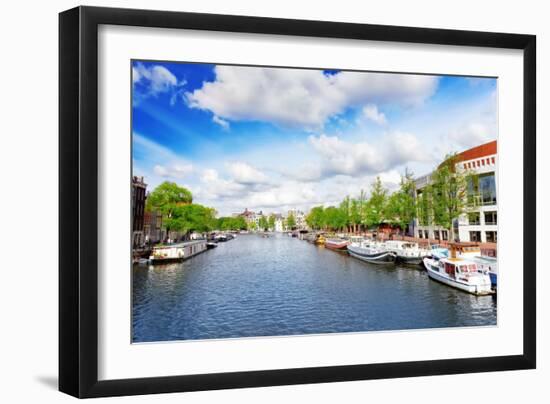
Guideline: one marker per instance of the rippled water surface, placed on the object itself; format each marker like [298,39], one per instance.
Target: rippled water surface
[254,286]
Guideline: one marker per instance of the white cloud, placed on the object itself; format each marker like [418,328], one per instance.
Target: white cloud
[473,134]
[222,122]
[157,79]
[173,171]
[371,112]
[302,98]
[339,157]
[244,173]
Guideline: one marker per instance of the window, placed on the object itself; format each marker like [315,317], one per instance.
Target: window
[491,236]
[482,190]
[436,234]
[420,233]
[473,218]
[444,234]
[491,218]
[475,236]
[426,234]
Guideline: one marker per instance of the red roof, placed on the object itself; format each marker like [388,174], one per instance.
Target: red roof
[483,150]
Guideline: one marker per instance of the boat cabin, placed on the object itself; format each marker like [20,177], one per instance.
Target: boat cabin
[464,248]
[456,267]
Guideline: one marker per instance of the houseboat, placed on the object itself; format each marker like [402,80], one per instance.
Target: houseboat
[407,252]
[177,252]
[459,273]
[371,251]
[336,243]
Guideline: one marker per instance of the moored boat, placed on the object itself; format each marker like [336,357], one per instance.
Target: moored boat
[177,252]
[371,251]
[407,252]
[336,243]
[459,273]
[211,244]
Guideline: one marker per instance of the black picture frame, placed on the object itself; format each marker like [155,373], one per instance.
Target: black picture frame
[78,200]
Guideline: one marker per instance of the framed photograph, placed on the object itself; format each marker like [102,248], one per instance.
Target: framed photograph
[251,201]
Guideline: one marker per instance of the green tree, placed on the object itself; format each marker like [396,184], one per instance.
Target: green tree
[376,204]
[263,223]
[401,205]
[316,218]
[190,218]
[271,222]
[425,209]
[449,193]
[231,223]
[252,226]
[345,207]
[291,221]
[335,218]
[165,198]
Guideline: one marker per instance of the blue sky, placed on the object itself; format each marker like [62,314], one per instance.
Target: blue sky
[273,139]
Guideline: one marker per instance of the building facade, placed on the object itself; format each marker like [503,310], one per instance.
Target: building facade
[139,188]
[152,227]
[480,222]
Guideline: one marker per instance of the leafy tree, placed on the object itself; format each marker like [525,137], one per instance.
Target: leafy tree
[252,226]
[425,209]
[449,193]
[231,223]
[271,222]
[191,217]
[345,207]
[401,205]
[335,218]
[263,223]
[165,198]
[376,204]
[316,218]
[291,221]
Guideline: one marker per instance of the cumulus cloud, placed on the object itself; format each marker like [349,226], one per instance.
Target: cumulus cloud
[473,133]
[340,157]
[244,173]
[302,98]
[371,112]
[176,170]
[150,81]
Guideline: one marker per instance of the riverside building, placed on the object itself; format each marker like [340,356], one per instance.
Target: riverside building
[480,223]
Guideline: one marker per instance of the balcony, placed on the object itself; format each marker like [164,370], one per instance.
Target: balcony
[476,200]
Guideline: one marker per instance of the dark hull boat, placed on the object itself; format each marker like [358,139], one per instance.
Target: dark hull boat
[372,255]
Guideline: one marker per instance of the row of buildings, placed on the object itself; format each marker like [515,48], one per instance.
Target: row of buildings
[280,219]
[480,223]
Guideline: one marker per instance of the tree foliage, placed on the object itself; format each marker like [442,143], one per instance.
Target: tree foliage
[291,221]
[231,223]
[448,192]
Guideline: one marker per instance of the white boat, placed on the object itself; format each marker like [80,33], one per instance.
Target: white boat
[459,273]
[371,251]
[407,252]
[485,258]
[177,252]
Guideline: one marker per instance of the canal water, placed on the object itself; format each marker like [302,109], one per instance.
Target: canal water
[255,286]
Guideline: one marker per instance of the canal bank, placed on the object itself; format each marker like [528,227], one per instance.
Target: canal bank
[279,285]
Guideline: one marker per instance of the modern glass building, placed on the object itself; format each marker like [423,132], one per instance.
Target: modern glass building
[480,223]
